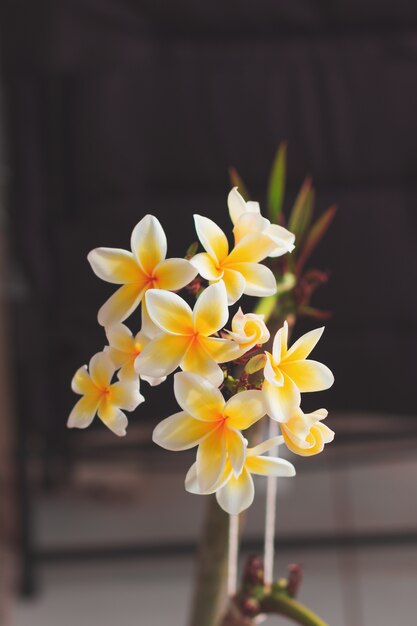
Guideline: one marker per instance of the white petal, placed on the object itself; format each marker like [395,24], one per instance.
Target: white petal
[161,356]
[212,238]
[259,280]
[211,458]
[235,285]
[113,418]
[206,266]
[83,412]
[281,402]
[101,369]
[236,204]
[120,305]
[174,274]
[211,311]
[270,466]
[237,494]
[180,432]
[169,312]
[304,345]
[198,397]
[149,243]
[115,266]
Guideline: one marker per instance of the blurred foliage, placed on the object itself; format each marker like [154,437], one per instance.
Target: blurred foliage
[296,285]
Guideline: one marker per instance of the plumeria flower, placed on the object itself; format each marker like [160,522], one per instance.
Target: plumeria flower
[143,268]
[102,397]
[210,422]
[248,330]
[247,218]
[304,433]
[124,348]
[186,336]
[239,270]
[289,372]
[235,491]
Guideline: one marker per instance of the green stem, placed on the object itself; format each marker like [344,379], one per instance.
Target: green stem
[285,605]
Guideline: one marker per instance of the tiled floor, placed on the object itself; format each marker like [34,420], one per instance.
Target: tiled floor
[366,587]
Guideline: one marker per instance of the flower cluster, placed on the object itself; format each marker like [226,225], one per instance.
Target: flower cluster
[220,389]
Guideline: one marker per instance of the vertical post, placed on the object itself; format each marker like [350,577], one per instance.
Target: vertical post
[270,514]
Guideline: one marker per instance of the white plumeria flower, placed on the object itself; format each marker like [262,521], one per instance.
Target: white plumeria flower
[305,434]
[288,372]
[247,218]
[239,270]
[186,336]
[248,330]
[145,267]
[210,422]
[103,397]
[235,491]
[124,349]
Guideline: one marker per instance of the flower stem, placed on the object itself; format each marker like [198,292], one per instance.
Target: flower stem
[233,555]
[280,604]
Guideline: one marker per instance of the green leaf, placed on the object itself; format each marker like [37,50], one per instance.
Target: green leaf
[255,364]
[236,181]
[315,235]
[276,185]
[302,211]
[191,250]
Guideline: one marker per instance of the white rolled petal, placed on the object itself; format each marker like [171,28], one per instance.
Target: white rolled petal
[283,239]
[279,346]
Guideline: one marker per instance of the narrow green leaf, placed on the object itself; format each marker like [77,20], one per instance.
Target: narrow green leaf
[315,235]
[302,211]
[236,181]
[191,250]
[276,185]
[255,364]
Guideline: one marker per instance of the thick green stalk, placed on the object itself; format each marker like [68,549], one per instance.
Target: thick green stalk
[210,586]
[281,604]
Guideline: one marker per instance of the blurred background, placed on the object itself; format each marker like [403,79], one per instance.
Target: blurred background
[111,109]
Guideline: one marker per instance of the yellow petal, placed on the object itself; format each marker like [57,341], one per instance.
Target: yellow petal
[235,285]
[120,305]
[212,238]
[149,243]
[82,383]
[206,266]
[244,409]
[174,274]
[236,449]
[169,312]
[125,394]
[162,355]
[251,249]
[149,328]
[265,446]
[113,418]
[198,360]
[259,280]
[280,402]
[83,412]
[270,466]
[237,494]
[308,375]
[198,397]
[115,266]
[211,311]
[101,369]
[211,458]
[180,432]
[304,345]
